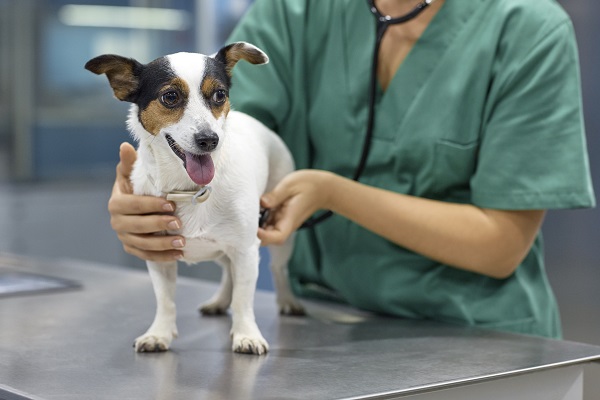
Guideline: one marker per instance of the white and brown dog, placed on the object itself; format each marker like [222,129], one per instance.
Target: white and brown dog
[215,164]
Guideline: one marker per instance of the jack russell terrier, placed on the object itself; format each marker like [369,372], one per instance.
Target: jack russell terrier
[215,164]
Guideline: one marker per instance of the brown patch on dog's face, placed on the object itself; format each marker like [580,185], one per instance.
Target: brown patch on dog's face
[226,108]
[216,94]
[167,108]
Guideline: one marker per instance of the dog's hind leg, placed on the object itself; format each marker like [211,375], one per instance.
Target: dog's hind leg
[220,302]
[245,335]
[280,255]
[162,331]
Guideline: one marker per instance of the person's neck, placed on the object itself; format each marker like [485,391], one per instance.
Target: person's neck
[399,39]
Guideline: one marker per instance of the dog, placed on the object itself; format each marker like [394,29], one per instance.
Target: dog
[214,163]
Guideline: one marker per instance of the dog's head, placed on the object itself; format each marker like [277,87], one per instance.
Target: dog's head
[181,100]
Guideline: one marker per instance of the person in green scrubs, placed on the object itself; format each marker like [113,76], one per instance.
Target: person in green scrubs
[478,131]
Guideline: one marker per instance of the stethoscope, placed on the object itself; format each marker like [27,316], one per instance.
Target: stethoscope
[383,22]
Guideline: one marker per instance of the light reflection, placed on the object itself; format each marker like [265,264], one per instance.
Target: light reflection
[124,17]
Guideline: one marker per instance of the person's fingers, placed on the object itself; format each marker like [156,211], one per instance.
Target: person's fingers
[283,219]
[280,226]
[141,224]
[274,198]
[158,256]
[128,204]
[127,156]
[153,243]
[137,218]
[268,237]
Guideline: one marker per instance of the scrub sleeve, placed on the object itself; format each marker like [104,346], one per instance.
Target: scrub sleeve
[485,110]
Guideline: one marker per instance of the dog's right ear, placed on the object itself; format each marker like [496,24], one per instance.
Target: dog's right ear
[123,74]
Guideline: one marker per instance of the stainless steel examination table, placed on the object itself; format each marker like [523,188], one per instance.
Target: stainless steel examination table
[77,344]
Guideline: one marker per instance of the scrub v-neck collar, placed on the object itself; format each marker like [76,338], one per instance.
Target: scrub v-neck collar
[412,75]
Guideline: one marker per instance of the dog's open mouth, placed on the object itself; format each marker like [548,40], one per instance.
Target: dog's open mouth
[199,167]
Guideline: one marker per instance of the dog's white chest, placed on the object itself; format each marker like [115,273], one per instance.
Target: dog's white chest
[202,249]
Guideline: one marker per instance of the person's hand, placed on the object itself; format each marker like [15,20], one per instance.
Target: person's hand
[292,201]
[138,219]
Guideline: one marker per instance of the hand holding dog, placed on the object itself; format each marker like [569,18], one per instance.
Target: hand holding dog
[137,219]
[293,201]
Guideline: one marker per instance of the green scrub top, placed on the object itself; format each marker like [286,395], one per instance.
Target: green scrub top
[485,109]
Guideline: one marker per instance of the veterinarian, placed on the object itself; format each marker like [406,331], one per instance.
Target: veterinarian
[477,131]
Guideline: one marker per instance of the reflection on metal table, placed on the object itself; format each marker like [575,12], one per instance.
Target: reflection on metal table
[76,344]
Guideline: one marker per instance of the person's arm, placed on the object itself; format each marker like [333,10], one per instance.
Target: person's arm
[485,241]
[137,219]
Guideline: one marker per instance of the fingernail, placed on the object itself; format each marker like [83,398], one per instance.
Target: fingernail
[168,207]
[173,225]
[177,243]
[178,256]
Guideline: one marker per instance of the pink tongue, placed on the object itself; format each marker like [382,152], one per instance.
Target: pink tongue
[200,168]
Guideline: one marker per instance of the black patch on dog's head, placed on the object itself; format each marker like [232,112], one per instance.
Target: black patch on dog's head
[216,81]
[215,87]
[154,87]
[153,77]
[217,70]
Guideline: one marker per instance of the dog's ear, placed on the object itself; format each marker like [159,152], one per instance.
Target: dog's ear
[234,52]
[123,74]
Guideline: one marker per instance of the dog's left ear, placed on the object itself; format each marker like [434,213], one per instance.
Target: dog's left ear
[232,53]
[123,74]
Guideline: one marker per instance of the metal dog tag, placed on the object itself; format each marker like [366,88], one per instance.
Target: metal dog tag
[202,195]
[194,197]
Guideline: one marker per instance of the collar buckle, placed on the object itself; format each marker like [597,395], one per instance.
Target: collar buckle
[194,197]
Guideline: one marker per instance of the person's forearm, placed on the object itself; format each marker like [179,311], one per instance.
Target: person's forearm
[490,242]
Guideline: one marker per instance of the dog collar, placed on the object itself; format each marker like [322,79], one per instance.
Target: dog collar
[194,197]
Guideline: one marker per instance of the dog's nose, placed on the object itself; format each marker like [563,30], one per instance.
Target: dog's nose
[206,140]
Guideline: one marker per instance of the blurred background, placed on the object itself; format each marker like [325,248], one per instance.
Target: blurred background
[60,130]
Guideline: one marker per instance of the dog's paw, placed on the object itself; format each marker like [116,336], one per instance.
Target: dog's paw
[249,345]
[294,309]
[213,309]
[291,307]
[149,343]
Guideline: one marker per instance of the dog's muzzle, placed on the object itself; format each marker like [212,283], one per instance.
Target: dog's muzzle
[199,167]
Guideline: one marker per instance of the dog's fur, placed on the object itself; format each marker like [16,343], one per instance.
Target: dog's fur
[188,138]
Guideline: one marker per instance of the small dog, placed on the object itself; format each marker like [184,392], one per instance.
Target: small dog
[215,164]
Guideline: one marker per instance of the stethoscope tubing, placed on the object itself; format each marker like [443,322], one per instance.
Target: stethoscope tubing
[382,23]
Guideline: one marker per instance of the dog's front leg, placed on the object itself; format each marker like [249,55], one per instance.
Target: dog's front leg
[245,334]
[164,328]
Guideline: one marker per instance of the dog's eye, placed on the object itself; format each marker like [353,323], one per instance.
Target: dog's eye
[170,99]
[219,97]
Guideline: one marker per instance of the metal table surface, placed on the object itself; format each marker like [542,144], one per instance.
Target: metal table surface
[76,344]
